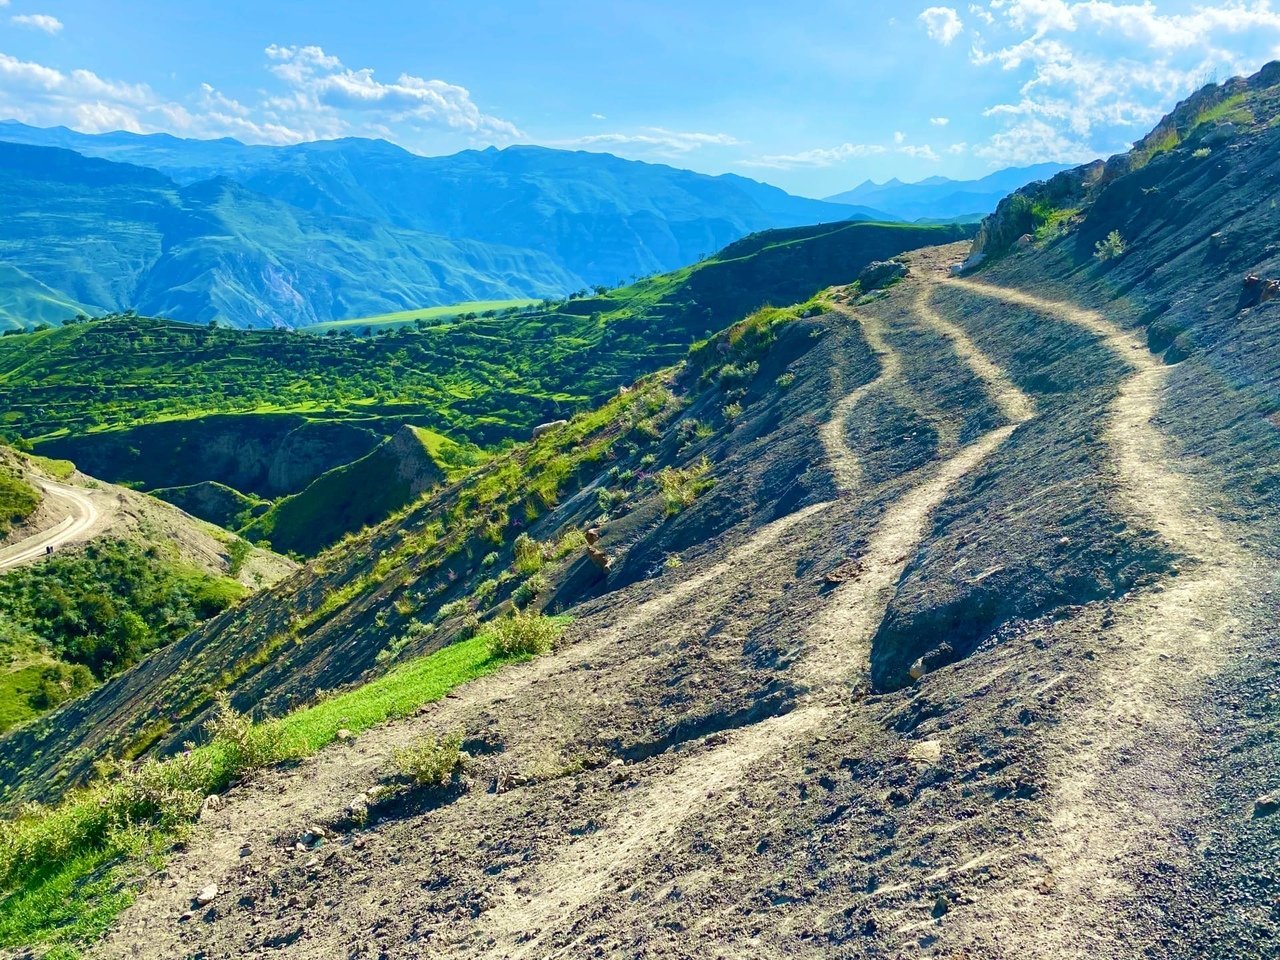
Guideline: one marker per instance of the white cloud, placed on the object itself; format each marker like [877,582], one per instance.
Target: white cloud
[939,121]
[834,156]
[942,24]
[598,116]
[820,157]
[37,21]
[321,86]
[659,139]
[1094,75]
[319,98]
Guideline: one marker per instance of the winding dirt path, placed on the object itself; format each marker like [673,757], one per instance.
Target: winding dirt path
[320,785]
[837,651]
[845,466]
[1124,780]
[82,517]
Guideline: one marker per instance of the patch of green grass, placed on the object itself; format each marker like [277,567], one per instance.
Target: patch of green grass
[58,469]
[1230,110]
[402,318]
[66,871]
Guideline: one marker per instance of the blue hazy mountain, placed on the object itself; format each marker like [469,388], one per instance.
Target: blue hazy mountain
[940,198]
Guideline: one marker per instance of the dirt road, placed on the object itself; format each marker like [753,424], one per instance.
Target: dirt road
[81,517]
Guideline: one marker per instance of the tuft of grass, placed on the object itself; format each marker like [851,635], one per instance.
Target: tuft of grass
[528,553]
[682,486]
[432,761]
[524,635]
[1110,248]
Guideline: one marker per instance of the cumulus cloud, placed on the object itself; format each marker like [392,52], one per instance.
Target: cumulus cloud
[942,24]
[37,21]
[1094,75]
[317,97]
[939,121]
[321,84]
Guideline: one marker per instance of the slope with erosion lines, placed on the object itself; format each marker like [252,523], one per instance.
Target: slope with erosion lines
[826,656]
[834,655]
[329,776]
[1124,768]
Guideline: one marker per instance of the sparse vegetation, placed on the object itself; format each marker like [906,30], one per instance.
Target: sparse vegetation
[432,761]
[67,870]
[1110,248]
[681,487]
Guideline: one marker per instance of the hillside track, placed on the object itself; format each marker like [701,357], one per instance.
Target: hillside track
[1126,783]
[834,662]
[316,790]
[82,517]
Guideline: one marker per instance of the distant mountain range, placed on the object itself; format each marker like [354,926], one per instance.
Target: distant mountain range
[940,198]
[259,236]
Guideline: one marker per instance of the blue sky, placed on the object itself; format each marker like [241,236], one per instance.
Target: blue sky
[813,96]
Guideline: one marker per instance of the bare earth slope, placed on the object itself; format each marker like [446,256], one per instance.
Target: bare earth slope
[933,682]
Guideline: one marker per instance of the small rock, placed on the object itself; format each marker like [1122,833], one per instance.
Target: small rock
[210,804]
[940,906]
[186,916]
[344,735]
[926,751]
[207,895]
[917,669]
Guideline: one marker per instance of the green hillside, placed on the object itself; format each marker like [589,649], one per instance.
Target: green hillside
[119,395]
[350,497]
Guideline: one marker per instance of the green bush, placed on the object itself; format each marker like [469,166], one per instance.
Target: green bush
[431,762]
[681,487]
[524,635]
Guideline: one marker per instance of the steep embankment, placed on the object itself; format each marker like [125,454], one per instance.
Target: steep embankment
[937,620]
[764,797]
[351,497]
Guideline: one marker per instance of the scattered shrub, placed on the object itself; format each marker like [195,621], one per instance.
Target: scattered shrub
[528,591]
[1110,248]
[528,554]
[732,411]
[681,487]
[431,762]
[524,635]
[785,380]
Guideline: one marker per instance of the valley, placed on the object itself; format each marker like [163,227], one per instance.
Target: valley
[863,589]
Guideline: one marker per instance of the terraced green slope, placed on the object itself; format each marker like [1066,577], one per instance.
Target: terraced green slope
[484,380]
